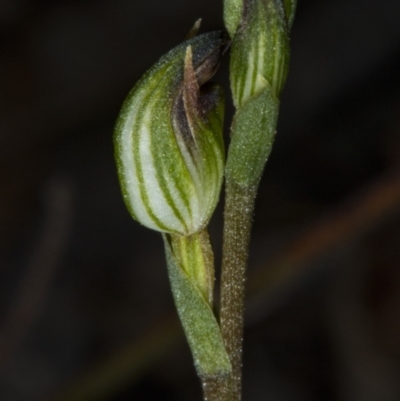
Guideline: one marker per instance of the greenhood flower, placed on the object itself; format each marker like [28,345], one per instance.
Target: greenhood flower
[168,139]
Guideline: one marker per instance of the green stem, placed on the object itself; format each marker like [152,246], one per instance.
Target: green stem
[253,130]
[239,205]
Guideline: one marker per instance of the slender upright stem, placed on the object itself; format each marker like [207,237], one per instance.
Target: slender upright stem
[239,205]
[217,388]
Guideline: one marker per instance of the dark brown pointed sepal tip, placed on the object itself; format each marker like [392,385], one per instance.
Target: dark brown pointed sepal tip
[191,91]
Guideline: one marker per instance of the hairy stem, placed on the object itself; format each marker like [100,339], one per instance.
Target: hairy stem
[239,205]
[217,388]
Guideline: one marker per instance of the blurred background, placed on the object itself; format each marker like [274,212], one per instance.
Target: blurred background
[86,312]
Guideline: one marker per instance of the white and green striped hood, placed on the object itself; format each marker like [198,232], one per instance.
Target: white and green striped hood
[168,140]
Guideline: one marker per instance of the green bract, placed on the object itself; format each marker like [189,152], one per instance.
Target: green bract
[233,10]
[194,307]
[168,139]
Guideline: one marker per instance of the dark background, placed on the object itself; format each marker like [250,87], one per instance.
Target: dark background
[85,306]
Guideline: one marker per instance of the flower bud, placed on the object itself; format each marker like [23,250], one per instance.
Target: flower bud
[168,139]
[260,50]
[233,13]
